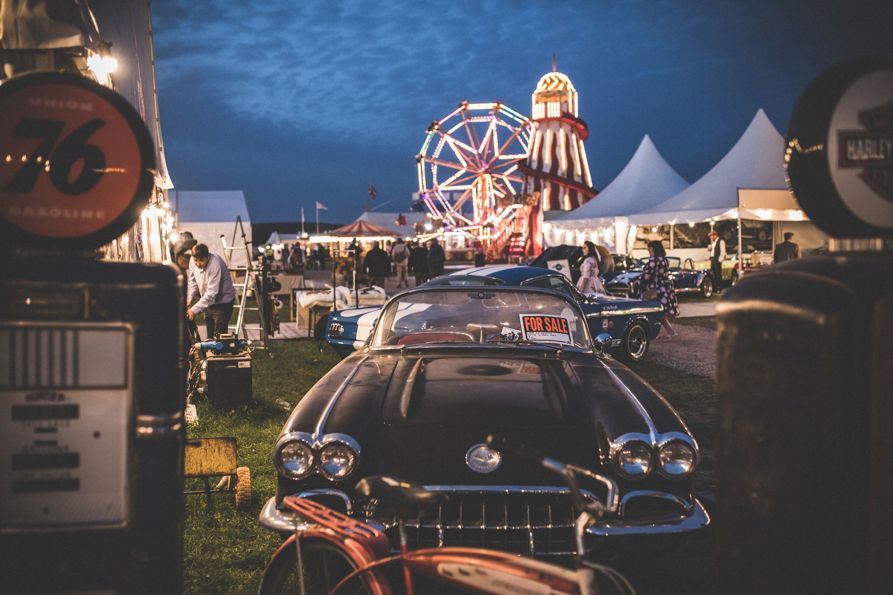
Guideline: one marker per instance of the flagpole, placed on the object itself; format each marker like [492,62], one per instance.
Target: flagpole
[317,217]
[302,222]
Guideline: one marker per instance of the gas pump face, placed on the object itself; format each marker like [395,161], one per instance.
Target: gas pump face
[65,425]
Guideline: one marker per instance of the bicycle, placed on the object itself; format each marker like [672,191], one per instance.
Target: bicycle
[337,554]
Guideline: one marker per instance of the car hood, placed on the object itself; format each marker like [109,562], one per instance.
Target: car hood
[416,416]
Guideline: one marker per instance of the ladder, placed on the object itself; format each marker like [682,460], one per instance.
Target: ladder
[245,282]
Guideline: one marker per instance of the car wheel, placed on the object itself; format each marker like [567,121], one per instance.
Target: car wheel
[635,343]
[734,278]
[707,287]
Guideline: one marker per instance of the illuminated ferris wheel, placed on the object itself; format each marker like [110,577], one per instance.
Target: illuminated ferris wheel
[468,166]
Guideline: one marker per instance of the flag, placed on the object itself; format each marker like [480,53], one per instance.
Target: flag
[372,191]
[320,206]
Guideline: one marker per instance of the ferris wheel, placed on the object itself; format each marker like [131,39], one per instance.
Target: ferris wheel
[468,166]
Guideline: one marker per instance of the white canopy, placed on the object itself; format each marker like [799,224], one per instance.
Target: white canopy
[749,177]
[647,180]
[211,214]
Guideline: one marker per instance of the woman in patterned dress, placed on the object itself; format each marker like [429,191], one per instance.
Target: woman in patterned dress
[589,281]
[656,275]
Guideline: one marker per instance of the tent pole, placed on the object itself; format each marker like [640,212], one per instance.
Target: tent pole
[740,255]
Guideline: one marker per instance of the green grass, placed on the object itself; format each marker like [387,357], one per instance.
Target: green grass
[227,551]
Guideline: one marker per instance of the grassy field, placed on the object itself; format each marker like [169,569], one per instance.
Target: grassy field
[226,552]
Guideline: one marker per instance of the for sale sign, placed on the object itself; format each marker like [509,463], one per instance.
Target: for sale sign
[546,328]
[76,161]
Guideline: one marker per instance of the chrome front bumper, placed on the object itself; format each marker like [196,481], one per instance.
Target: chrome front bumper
[694,519]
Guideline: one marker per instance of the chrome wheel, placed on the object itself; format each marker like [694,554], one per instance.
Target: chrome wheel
[707,287]
[635,343]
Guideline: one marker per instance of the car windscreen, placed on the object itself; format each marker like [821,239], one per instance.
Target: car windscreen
[486,315]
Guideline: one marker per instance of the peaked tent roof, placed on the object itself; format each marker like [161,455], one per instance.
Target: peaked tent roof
[360,228]
[647,180]
[754,162]
[389,221]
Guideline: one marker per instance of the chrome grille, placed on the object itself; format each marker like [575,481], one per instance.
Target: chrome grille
[538,522]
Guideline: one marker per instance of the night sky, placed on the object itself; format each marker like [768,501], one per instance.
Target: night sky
[295,102]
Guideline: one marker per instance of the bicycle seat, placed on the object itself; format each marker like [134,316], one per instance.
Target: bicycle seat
[397,496]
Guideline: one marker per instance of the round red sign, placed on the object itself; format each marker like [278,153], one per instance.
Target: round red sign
[76,161]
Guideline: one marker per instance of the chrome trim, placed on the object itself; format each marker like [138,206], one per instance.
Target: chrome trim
[154,427]
[687,507]
[652,429]
[318,432]
[348,506]
[273,518]
[504,489]
[629,311]
[342,439]
[406,394]
[696,520]
[303,437]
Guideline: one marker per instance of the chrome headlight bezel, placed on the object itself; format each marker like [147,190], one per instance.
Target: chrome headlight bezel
[670,441]
[330,442]
[302,440]
[627,443]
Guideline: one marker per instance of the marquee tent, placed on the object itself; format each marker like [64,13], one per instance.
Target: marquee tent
[363,229]
[211,214]
[646,180]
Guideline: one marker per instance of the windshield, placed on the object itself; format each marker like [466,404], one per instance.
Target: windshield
[489,315]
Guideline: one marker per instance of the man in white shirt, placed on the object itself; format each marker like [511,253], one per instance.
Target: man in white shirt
[717,250]
[209,279]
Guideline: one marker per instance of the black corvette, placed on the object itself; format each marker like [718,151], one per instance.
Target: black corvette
[444,367]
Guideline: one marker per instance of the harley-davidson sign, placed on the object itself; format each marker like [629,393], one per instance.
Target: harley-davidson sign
[839,157]
[871,149]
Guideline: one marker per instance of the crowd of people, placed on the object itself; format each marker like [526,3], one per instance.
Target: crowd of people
[420,260]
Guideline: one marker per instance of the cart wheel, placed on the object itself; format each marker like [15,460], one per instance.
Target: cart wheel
[243,487]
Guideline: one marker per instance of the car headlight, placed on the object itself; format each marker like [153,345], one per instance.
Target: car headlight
[677,459]
[294,457]
[338,457]
[634,459]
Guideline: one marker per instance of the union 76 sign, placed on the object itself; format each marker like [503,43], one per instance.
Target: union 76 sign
[76,161]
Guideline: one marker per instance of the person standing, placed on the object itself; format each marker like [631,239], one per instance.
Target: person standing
[787,250]
[400,258]
[717,250]
[436,258]
[377,265]
[656,276]
[418,263]
[589,282]
[210,281]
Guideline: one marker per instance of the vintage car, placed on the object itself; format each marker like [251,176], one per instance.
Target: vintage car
[445,367]
[632,323]
[686,276]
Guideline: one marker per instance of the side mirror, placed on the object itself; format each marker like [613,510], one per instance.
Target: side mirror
[603,342]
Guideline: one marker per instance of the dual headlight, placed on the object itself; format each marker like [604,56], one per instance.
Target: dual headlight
[335,457]
[675,458]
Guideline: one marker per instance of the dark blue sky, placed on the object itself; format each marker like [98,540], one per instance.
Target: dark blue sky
[295,102]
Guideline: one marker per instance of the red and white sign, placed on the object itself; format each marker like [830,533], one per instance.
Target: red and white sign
[76,160]
[546,328]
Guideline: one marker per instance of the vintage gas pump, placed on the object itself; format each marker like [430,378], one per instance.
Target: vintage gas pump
[805,378]
[91,375]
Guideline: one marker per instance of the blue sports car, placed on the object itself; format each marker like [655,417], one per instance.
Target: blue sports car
[632,323]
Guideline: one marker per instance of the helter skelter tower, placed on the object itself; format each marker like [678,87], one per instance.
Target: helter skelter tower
[556,170]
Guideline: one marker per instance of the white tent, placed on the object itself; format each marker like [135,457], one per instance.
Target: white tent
[646,180]
[750,176]
[211,214]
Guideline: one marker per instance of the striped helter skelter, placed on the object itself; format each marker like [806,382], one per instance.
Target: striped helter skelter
[556,170]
